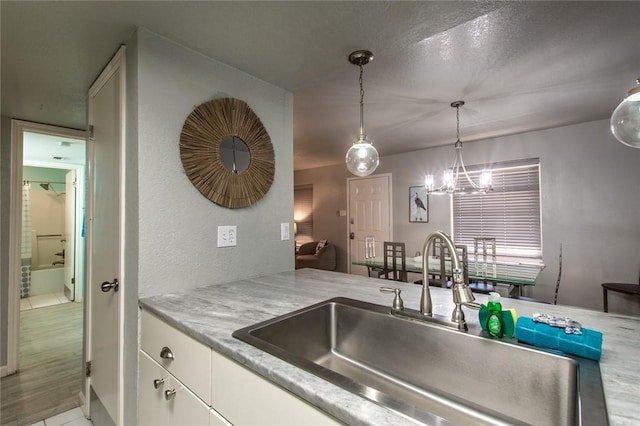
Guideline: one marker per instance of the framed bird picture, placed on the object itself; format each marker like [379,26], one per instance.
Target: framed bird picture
[418,204]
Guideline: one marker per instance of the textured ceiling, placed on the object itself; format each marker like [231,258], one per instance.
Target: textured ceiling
[519,65]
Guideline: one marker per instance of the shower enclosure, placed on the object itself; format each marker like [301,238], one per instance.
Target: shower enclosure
[43,238]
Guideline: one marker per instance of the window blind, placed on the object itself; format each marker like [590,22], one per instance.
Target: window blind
[510,214]
[303,212]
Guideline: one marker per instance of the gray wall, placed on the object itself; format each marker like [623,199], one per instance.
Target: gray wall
[590,204]
[177,226]
[171,229]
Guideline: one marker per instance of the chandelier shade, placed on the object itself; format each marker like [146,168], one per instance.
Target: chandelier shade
[452,178]
[362,158]
[625,120]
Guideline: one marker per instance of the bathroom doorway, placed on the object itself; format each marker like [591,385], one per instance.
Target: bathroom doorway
[47,256]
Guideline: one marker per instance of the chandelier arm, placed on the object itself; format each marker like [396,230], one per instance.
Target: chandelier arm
[464,169]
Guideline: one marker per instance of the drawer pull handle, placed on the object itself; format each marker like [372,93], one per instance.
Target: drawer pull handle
[157,383]
[167,354]
[169,394]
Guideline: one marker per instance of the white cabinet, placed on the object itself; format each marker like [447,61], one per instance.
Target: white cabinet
[174,385]
[246,398]
[183,382]
[164,400]
[178,353]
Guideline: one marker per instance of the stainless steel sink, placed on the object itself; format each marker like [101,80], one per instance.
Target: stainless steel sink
[432,373]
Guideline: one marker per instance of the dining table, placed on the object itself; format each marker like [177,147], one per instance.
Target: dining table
[515,274]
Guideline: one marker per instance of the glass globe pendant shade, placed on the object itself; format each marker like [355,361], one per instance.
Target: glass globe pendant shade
[362,158]
[625,121]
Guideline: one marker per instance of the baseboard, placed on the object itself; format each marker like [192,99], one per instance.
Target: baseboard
[3,371]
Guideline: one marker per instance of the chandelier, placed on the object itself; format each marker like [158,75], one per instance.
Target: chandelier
[625,121]
[362,158]
[451,177]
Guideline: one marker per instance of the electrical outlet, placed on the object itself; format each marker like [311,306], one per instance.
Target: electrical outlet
[226,236]
[284,231]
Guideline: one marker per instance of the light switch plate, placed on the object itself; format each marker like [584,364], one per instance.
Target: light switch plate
[227,236]
[284,231]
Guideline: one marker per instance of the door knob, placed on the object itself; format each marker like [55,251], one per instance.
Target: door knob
[157,383]
[168,394]
[106,286]
[352,236]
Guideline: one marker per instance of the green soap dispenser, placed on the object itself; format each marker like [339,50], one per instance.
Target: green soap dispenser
[495,327]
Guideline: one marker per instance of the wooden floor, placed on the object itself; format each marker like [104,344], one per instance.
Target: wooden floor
[50,376]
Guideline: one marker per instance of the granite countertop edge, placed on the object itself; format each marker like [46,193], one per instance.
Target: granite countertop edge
[210,314]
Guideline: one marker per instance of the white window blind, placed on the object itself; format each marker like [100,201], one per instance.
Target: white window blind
[303,213]
[510,214]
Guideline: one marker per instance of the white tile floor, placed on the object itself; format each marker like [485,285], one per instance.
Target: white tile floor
[73,417]
[42,300]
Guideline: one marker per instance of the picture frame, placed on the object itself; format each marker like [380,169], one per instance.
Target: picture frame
[418,204]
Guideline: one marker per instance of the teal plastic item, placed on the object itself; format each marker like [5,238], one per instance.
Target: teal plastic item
[585,345]
[494,319]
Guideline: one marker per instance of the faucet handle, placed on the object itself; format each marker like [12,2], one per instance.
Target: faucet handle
[398,304]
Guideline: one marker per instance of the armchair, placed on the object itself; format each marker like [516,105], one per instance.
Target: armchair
[310,255]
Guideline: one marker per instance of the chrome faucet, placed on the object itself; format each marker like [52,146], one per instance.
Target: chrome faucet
[461,291]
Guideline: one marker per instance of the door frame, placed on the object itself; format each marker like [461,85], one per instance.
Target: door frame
[117,62]
[18,128]
[351,179]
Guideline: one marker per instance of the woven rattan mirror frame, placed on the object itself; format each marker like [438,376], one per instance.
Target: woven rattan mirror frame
[200,140]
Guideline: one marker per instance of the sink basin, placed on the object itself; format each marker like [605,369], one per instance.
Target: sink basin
[432,373]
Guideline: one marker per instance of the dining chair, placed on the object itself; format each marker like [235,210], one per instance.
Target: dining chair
[555,294]
[394,261]
[445,274]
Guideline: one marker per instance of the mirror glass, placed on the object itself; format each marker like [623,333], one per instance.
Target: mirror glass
[234,154]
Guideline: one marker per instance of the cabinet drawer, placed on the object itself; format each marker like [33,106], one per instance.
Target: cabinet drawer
[156,408]
[184,357]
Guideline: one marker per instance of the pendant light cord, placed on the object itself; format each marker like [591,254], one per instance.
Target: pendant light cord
[458,123]
[361,103]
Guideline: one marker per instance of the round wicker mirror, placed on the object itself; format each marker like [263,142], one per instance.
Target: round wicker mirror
[200,140]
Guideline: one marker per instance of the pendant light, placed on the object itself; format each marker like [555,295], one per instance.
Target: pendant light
[362,158]
[451,177]
[625,121]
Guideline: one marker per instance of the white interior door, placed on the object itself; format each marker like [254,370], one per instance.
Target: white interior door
[104,265]
[69,235]
[369,215]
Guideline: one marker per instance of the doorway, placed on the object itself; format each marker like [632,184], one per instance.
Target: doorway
[47,163]
[370,215]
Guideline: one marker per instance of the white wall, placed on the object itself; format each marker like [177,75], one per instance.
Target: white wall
[177,226]
[590,204]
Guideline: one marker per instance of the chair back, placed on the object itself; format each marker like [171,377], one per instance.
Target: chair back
[395,262]
[441,251]
[555,296]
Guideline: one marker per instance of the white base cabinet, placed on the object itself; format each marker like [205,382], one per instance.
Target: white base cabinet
[183,382]
[164,400]
[246,398]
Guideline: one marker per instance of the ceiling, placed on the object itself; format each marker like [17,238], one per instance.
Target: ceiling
[40,150]
[519,66]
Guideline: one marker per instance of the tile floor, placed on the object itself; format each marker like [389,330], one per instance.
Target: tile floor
[42,300]
[73,417]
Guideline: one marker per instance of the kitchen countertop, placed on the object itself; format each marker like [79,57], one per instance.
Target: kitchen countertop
[211,314]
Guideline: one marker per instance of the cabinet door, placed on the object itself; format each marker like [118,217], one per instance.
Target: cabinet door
[185,408]
[215,419]
[152,406]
